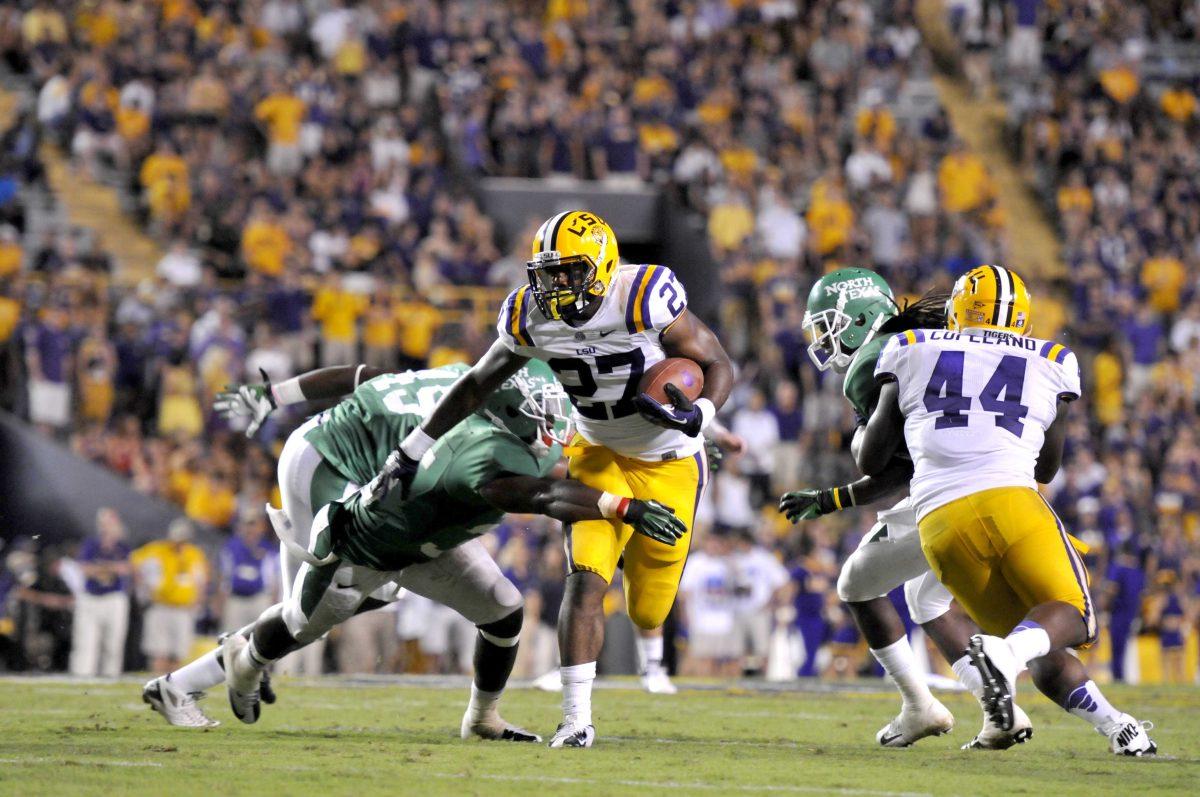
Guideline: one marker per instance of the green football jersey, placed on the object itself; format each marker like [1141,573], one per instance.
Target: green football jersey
[356,436]
[859,386]
[444,508]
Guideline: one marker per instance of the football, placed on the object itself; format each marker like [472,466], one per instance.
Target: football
[679,371]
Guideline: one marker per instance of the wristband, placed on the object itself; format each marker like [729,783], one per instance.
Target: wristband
[288,392]
[416,444]
[708,412]
[843,497]
[612,506]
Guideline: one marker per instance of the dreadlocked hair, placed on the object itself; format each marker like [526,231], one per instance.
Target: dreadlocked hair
[928,312]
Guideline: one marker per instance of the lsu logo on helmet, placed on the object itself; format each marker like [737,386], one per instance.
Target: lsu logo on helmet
[990,297]
[574,260]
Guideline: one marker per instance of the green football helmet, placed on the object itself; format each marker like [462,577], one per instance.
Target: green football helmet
[845,309]
[532,405]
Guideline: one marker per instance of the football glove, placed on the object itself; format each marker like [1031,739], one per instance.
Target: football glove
[681,415]
[654,520]
[714,454]
[255,402]
[399,470]
[807,504]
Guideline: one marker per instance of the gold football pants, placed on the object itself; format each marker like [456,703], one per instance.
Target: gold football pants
[651,568]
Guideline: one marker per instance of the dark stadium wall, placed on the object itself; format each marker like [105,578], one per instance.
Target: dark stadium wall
[48,491]
[651,226]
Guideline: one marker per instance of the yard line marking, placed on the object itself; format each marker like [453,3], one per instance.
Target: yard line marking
[90,762]
[672,784]
[717,742]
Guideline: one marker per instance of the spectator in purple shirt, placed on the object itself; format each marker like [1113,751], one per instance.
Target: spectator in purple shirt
[48,350]
[249,566]
[102,608]
[1146,335]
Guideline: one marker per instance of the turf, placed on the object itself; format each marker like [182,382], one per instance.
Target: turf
[58,737]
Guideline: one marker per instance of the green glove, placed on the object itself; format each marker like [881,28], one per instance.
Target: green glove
[715,454]
[811,504]
[656,521]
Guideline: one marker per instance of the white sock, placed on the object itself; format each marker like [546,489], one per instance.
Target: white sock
[200,675]
[969,676]
[1028,641]
[1088,703]
[899,662]
[577,692]
[483,704]
[650,654]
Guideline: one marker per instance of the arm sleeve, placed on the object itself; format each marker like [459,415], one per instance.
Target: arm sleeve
[656,300]
[485,462]
[1069,387]
[887,367]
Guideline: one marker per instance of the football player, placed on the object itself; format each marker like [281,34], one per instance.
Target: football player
[982,408]
[358,557]
[850,316]
[599,325]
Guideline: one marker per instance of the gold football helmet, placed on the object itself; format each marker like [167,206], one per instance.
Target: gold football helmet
[990,297]
[574,261]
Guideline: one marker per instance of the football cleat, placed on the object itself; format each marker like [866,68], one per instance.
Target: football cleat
[265,690]
[177,707]
[1127,736]
[912,723]
[572,735]
[495,729]
[242,681]
[548,682]
[999,669]
[658,683]
[993,737]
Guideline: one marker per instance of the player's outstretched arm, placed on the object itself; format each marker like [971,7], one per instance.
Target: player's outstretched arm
[811,504]
[463,398]
[257,401]
[884,433]
[1050,457]
[570,501]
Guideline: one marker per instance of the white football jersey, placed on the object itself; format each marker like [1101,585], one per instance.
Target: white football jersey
[976,407]
[601,362]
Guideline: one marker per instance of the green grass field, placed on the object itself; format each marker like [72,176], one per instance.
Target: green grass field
[57,737]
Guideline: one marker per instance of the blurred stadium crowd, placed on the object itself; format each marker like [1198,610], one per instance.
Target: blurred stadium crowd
[307,167]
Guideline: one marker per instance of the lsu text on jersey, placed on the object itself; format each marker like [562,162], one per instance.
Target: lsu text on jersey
[977,404]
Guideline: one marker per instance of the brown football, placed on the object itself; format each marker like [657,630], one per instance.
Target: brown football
[679,371]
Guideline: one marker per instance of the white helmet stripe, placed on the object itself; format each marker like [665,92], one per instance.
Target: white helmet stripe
[546,232]
[1007,295]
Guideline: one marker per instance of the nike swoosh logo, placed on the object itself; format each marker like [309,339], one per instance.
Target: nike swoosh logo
[886,740]
[606,334]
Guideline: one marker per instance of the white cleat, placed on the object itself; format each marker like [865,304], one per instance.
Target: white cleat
[914,723]
[993,737]
[572,735]
[177,707]
[494,729]
[241,680]
[549,682]
[999,669]
[1127,736]
[658,683]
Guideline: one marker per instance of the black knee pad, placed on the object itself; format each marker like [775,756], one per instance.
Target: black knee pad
[507,627]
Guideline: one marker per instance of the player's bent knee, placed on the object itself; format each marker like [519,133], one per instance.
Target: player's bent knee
[299,625]
[506,631]
[853,586]
[648,615]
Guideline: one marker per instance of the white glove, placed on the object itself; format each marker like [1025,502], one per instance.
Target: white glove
[255,402]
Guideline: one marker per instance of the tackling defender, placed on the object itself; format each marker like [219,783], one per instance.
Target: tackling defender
[358,558]
[982,407]
[598,325]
